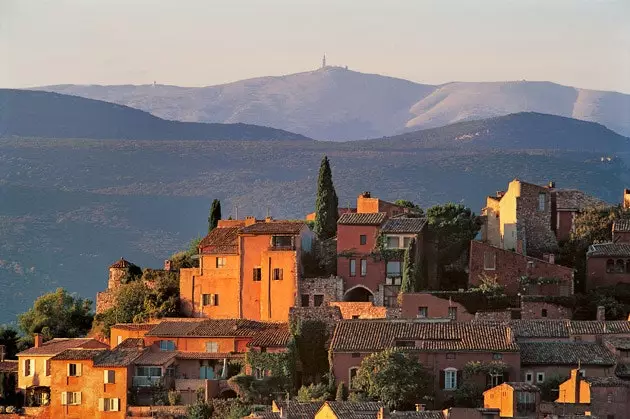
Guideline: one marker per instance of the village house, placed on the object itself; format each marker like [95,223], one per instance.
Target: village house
[34,369]
[543,330]
[454,305]
[444,348]
[248,269]
[513,399]
[607,264]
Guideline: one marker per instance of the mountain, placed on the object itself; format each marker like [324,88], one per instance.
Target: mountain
[70,207]
[31,113]
[334,103]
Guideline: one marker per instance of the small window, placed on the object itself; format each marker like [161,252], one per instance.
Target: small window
[497,356]
[529,377]
[353,267]
[305,300]
[582,372]
[167,345]
[257,274]
[450,379]
[70,398]
[452,313]
[277,274]
[109,377]
[73,370]
[318,300]
[393,269]
[543,312]
[212,347]
[47,367]
[450,355]
[610,266]
[355,316]
[406,242]
[27,367]
[423,312]
[489,261]
[577,338]
[119,340]
[220,262]
[259,373]
[393,242]
[356,355]
[542,197]
[109,405]
[540,377]
[210,299]
[362,239]
[609,398]
[363,267]
[352,374]
[619,266]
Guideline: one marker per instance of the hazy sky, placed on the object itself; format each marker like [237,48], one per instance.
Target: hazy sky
[583,43]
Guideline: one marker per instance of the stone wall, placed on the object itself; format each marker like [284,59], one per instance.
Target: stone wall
[494,316]
[104,301]
[534,310]
[534,225]
[330,288]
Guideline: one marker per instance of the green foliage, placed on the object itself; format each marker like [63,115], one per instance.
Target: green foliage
[409,282]
[489,285]
[341,393]
[58,314]
[215,215]
[473,368]
[174,398]
[238,410]
[199,410]
[311,337]
[409,204]
[313,393]
[392,377]
[453,226]
[468,395]
[8,385]
[252,390]
[9,339]
[357,397]
[381,252]
[132,273]
[326,204]
[549,387]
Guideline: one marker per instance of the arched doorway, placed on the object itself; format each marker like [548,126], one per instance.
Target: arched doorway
[358,293]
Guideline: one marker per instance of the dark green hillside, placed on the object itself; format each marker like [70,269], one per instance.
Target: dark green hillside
[30,113]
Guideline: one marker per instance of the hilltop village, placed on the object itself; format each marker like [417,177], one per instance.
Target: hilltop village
[381,310]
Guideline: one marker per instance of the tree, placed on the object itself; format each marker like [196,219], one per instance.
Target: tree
[409,283]
[58,314]
[199,410]
[326,204]
[409,204]
[313,393]
[9,339]
[453,226]
[392,377]
[215,215]
[341,392]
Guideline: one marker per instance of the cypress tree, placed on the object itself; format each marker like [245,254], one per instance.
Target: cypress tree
[341,392]
[326,203]
[215,215]
[409,270]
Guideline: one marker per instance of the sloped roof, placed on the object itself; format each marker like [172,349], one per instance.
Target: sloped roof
[8,366]
[155,358]
[174,327]
[121,264]
[220,240]
[375,335]
[134,326]
[363,218]
[609,250]
[365,310]
[78,354]
[274,227]
[574,199]
[58,345]
[522,386]
[270,337]
[131,343]
[565,353]
[619,343]
[404,225]
[354,410]
[118,357]
[208,355]
[609,381]
[621,226]
[599,327]
[296,410]
[424,414]
[540,328]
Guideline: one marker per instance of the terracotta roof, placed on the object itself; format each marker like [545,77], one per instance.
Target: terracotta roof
[131,343]
[540,328]
[121,263]
[609,381]
[621,226]
[425,414]
[295,410]
[404,225]
[8,366]
[573,199]
[274,227]
[365,310]
[599,327]
[522,386]
[58,345]
[174,327]
[78,354]
[208,355]
[355,218]
[609,250]
[118,357]
[354,410]
[565,353]
[271,337]
[155,358]
[134,326]
[220,240]
[619,343]
[264,415]
[376,335]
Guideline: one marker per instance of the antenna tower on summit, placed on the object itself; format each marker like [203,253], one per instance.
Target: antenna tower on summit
[324,61]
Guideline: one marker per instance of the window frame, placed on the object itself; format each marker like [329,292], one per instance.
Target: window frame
[351,377]
[353,267]
[109,377]
[529,374]
[538,377]
[257,274]
[74,366]
[542,201]
[318,300]
[220,262]
[486,265]
[452,313]
[307,298]
[426,312]
[277,274]
[363,267]
[452,385]
[212,345]
[362,239]
[167,345]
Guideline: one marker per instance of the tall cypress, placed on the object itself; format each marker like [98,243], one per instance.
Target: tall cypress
[409,269]
[215,215]
[326,204]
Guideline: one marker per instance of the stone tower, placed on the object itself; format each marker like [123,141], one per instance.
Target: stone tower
[117,271]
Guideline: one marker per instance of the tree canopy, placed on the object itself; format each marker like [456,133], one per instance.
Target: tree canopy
[409,204]
[58,314]
[392,377]
[215,215]
[9,338]
[326,203]
[409,274]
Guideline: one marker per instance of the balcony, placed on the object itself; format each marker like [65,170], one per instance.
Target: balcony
[280,248]
[145,381]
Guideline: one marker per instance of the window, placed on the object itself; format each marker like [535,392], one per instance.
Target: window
[450,355]
[305,300]
[406,241]
[497,356]
[47,367]
[355,316]
[583,372]
[109,405]
[423,312]
[282,242]
[210,299]
[496,379]
[393,242]
[452,313]
[450,379]
[356,355]
[393,269]
[543,312]
[257,274]
[70,398]
[74,370]
[363,267]
[220,262]
[609,398]
[541,201]
[362,239]
[353,267]
[29,367]
[167,345]
[212,347]
[619,266]
[109,376]
[146,371]
[319,300]
[489,261]
[277,274]
[529,377]
[540,377]
[352,373]
[259,374]
[610,266]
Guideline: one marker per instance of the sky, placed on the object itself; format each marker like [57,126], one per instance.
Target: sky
[581,43]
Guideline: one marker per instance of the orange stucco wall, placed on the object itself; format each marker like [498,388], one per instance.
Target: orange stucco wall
[91,385]
[500,397]
[123,333]
[568,391]
[191,344]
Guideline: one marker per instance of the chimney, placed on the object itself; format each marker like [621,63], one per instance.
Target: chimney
[420,407]
[366,194]
[510,335]
[39,340]
[551,184]
[167,265]
[268,219]
[626,198]
[601,313]
[578,384]
[500,194]
[383,413]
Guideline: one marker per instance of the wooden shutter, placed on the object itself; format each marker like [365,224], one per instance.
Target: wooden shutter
[116,405]
[101,405]
[79,369]
[32,366]
[64,398]
[442,379]
[78,397]
[460,376]
[68,370]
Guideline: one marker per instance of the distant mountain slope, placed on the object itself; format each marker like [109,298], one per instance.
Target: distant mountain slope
[32,113]
[338,104]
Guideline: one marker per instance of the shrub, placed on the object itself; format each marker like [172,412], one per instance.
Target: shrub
[313,393]
[199,411]
[174,398]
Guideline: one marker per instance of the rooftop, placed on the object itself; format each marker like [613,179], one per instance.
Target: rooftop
[522,386]
[573,199]
[621,226]
[354,410]
[8,366]
[155,358]
[121,264]
[58,345]
[609,381]
[78,354]
[133,326]
[295,410]
[609,250]
[404,225]
[121,356]
[356,218]
[274,227]
[376,334]
[565,353]
[621,343]
[220,240]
